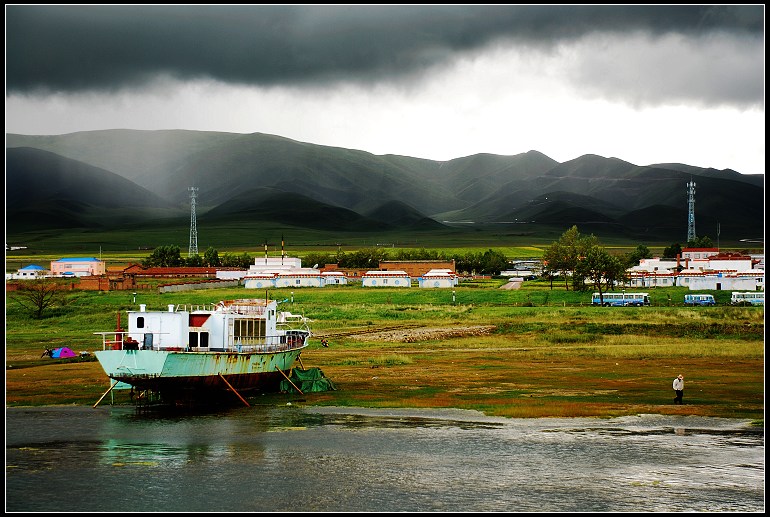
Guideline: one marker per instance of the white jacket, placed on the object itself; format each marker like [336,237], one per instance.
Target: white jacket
[678,384]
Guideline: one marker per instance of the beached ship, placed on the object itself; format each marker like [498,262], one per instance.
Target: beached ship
[200,353]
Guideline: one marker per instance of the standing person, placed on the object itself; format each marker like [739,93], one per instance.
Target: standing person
[679,389]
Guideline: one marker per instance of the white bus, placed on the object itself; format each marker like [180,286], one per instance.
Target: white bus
[621,299]
[699,299]
[749,298]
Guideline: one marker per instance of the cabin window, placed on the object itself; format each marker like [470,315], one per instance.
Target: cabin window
[199,339]
[248,330]
[140,322]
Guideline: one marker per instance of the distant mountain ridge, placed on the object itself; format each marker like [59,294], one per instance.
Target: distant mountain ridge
[145,175]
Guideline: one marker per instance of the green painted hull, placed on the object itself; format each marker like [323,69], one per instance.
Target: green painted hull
[173,373]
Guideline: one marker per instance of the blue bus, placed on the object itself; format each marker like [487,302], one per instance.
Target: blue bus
[699,299]
[621,299]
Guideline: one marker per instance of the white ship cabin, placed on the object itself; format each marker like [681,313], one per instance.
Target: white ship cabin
[386,279]
[234,326]
[438,278]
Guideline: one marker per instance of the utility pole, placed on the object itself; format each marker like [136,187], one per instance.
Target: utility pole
[718,228]
[690,211]
[193,249]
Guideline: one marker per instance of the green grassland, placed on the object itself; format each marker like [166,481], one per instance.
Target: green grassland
[550,354]
[131,243]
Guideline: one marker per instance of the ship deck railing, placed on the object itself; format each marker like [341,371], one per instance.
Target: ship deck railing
[116,340]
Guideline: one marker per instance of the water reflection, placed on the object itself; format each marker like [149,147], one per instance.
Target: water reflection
[293,458]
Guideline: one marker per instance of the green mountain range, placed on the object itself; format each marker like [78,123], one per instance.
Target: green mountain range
[128,180]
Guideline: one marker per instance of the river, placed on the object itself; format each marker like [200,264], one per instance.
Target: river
[322,459]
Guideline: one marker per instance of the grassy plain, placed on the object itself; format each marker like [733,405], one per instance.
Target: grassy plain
[550,353]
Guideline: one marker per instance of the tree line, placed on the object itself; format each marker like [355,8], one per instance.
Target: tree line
[562,257]
[488,262]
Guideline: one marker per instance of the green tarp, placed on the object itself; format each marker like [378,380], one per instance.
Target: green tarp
[308,381]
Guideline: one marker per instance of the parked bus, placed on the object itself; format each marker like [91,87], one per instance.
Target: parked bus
[749,298]
[699,299]
[621,299]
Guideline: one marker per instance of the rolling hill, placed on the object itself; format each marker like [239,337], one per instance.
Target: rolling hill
[118,179]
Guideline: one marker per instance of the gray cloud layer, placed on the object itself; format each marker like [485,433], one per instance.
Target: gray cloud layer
[103,48]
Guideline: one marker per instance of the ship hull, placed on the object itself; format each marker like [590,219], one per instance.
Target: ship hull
[173,374]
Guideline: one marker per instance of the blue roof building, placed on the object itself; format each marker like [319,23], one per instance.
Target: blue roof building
[78,266]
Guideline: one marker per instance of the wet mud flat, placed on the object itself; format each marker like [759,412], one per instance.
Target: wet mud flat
[362,459]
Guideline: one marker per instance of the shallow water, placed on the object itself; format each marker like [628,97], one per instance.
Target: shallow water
[292,458]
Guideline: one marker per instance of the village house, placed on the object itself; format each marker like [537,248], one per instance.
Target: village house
[416,268]
[31,272]
[259,280]
[386,279]
[302,277]
[438,278]
[78,266]
[108,282]
[334,278]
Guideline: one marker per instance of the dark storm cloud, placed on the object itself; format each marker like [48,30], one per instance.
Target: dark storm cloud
[72,48]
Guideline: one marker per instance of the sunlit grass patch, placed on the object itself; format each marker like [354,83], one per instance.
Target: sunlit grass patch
[565,337]
[390,360]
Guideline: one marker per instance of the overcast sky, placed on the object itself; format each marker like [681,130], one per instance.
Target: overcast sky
[646,84]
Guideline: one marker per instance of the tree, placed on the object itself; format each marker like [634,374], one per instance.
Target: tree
[319,258]
[492,262]
[672,251]
[39,295]
[211,258]
[562,257]
[165,256]
[366,258]
[603,270]
[193,261]
[641,252]
[245,261]
[700,242]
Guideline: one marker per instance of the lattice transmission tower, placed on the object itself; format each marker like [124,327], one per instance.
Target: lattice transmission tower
[193,250]
[690,211]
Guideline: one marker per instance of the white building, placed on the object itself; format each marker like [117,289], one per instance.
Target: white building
[281,272]
[274,264]
[230,274]
[700,269]
[386,279]
[303,277]
[31,272]
[438,278]
[334,278]
[261,266]
[723,282]
[259,280]
[698,253]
